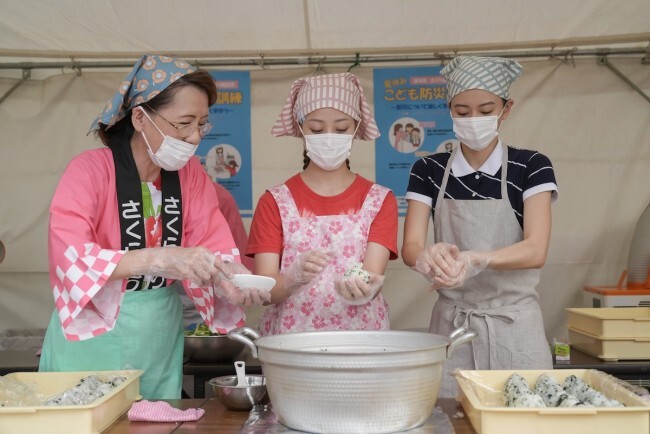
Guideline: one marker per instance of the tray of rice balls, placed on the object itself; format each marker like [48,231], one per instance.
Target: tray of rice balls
[575,401]
[65,402]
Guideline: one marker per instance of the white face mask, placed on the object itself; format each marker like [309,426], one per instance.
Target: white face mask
[329,151]
[173,153]
[477,132]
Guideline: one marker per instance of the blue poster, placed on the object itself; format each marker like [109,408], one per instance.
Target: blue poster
[413,118]
[225,152]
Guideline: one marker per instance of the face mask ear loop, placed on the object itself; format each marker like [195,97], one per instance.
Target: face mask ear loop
[152,122]
[146,141]
[354,134]
[142,132]
[501,114]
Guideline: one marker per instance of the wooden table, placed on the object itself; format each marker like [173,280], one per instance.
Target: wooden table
[219,420]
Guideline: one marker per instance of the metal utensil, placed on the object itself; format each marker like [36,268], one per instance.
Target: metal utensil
[240,369]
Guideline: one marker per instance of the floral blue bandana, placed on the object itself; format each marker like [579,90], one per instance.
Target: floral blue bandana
[149,76]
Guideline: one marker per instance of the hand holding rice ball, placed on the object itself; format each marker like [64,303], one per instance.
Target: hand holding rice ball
[358,286]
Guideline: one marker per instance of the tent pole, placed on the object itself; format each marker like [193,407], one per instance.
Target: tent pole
[26,74]
[603,61]
[323,58]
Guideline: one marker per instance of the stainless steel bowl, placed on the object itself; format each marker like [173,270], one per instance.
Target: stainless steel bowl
[240,398]
[211,349]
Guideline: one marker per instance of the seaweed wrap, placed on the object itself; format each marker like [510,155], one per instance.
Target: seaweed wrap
[517,393]
[585,393]
[553,394]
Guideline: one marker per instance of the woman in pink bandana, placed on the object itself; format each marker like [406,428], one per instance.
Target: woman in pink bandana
[310,232]
[129,219]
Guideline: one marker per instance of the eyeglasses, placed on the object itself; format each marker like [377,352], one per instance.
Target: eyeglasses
[186,130]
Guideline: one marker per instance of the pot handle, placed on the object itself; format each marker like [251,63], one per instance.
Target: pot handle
[460,336]
[246,336]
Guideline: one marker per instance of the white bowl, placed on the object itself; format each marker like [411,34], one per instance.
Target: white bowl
[253,281]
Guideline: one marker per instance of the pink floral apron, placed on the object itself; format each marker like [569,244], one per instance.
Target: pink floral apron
[317,306]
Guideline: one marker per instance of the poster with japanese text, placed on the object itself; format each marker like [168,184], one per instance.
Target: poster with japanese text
[225,152]
[413,118]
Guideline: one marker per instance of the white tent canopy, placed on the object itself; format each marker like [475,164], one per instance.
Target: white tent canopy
[208,28]
[591,123]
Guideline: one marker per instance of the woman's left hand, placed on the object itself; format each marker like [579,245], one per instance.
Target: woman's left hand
[469,264]
[356,291]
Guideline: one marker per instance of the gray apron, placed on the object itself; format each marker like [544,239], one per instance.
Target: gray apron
[502,306]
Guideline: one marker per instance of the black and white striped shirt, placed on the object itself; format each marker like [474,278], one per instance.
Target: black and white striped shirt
[529,173]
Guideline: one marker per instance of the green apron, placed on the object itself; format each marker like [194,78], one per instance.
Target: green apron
[148,335]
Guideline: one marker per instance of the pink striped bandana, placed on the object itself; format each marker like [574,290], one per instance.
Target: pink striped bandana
[341,91]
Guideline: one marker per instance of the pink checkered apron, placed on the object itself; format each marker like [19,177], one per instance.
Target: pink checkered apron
[317,305]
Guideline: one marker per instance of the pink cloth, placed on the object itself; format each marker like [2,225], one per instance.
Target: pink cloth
[316,306]
[160,411]
[341,91]
[84,245]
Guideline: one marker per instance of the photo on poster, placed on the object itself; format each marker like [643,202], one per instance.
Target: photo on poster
[223,161]
[405,135]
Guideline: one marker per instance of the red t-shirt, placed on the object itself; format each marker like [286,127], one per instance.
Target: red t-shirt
[266,228]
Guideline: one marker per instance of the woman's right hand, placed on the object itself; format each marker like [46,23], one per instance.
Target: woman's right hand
[438,264]
[196,264]
[307,266]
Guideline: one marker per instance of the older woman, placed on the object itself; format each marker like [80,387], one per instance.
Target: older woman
[128,219]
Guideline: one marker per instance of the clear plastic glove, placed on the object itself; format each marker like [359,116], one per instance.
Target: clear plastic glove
[438,264]
[245,297]
[226,270]
[307,266]
[470,263]
[195,264]
[359,289]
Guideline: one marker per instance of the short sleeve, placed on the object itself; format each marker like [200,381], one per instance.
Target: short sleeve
[383,229]
[424,179]
[266,228]
[539,176]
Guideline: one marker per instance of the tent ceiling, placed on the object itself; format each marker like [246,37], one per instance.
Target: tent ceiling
[114,29]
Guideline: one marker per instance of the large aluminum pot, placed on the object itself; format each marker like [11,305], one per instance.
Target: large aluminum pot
[352,381]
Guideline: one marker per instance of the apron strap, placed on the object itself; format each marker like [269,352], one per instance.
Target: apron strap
[283,197]
[445,178]
[375,193]
[464,317]
[504,171]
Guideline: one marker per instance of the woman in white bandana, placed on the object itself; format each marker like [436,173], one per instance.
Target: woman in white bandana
[491,208]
